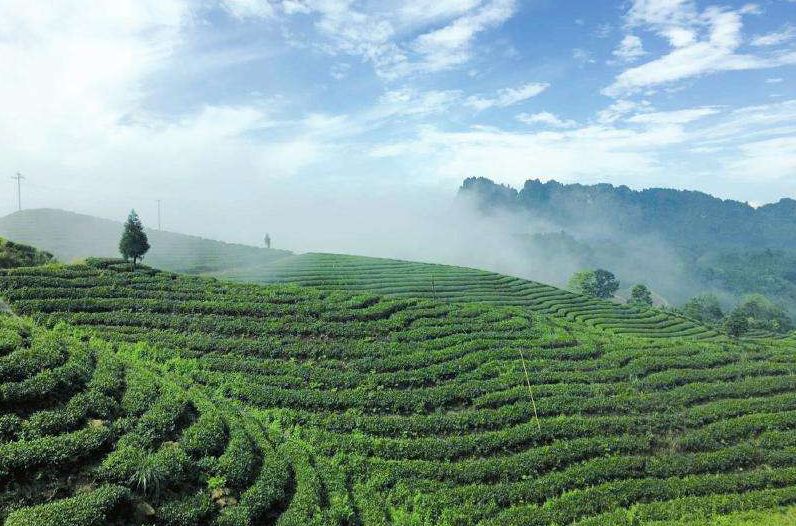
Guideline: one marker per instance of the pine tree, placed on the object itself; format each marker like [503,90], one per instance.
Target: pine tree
[134,243]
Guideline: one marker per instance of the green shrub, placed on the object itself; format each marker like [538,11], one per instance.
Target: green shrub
[88,509]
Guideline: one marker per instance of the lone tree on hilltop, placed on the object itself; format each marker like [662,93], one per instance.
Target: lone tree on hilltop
[598,283]
[640,296]
[134,243]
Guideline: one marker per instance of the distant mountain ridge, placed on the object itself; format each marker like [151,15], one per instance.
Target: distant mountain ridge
[680,242]
[689,219]
[70,236]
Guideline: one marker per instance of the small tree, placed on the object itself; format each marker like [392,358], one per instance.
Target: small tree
[705,308]
[762,313]
[267,241]
[134,243]
[598,283]
[736,324]
[640,296]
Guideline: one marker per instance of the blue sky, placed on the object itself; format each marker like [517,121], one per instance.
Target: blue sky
[233,102]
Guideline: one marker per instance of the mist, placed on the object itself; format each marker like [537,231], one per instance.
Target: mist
[419,222]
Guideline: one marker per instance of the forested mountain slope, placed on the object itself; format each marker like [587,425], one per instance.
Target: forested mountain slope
[149,397]
[685,218]
[681,243]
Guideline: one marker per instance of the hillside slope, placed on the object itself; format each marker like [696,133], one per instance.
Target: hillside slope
[70,236]
[458,284]
[243,404]
[17,255]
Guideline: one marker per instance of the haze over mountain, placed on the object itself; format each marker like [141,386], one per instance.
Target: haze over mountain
[679,242]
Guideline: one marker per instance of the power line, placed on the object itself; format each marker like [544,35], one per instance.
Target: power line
[19,178]
[159,228]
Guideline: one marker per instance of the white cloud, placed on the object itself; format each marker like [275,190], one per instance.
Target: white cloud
[630,49]
[421,11]
[774,80]
[583,56]
[786,34]
[702,43]
[547,118]
[340,70]
[765,161]
[74,113]
[397,38]
[661,13]
[452,44]
[621,108]
[408,101]
[507,96]
[673,117]
[249,8]
[749,144]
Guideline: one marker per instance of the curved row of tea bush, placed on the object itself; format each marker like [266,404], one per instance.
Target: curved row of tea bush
[224,403]
[458,284]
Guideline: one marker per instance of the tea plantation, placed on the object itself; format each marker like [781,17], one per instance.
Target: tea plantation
[458,284]
[157,398]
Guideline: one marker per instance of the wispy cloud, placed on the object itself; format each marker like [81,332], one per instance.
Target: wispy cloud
[786,34]
[672,117]
[701,43]
[398,39]
[507,96]
[630,49]
[546,118]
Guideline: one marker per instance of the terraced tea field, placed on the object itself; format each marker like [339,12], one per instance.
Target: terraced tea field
[457,284]
[156,398]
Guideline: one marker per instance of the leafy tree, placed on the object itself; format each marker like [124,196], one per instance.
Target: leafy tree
[762,313]
[640,296]
[598,283]
[134,243]
[705,308]
[736,324]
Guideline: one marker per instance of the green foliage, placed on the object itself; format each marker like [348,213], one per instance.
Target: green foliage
[17,255]
[640,296]
[134,243]
[736,324]
[232,404]
[596,283]
[704,308]
[187,511]
[762,314]
[89,509]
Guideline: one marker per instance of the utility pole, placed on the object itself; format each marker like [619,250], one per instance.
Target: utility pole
[159,215]
[19,178]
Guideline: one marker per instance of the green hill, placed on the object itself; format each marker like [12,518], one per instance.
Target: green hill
[158,398]
[17,255]
[70,236]
[458,284]
[73,236]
